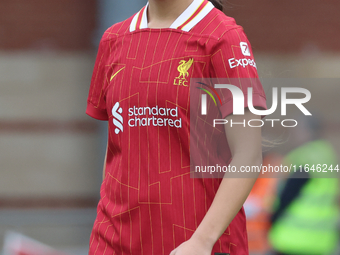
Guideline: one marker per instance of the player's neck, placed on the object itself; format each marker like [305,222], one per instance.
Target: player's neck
[162,13]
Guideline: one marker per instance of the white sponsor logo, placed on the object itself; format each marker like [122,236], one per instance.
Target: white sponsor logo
[154,116]
[117,118]
[245,49]
[146,116]
[241,62]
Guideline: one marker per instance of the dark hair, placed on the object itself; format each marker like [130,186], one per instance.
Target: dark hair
[218,4]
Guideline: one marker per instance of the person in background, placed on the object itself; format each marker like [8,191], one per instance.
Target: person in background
[258,207]
[305,221]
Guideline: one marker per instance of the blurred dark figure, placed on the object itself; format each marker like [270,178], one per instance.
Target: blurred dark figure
[305,220]
[258,207]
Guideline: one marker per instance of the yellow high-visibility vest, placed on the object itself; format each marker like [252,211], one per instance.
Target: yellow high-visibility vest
[309,224]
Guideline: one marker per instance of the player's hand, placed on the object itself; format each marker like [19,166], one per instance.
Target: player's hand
[192,247]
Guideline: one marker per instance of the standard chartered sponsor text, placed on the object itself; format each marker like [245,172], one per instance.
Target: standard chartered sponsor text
[154,116]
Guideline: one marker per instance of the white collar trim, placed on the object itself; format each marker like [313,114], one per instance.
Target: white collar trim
[186,18]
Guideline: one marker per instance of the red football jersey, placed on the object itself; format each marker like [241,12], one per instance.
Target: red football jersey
[141,84]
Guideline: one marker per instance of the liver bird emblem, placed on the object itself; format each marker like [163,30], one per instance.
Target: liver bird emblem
[183,68]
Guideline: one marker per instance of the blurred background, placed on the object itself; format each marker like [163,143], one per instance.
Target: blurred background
[51,152]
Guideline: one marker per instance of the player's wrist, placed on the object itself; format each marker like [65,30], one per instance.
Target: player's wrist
[204,238]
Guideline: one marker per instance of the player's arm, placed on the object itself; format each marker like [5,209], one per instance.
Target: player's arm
[246,147]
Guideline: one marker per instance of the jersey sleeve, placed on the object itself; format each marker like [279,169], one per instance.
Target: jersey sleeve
[96,101]
[233,59]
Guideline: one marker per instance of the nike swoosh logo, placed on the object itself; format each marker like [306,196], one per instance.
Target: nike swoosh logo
[116,73]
